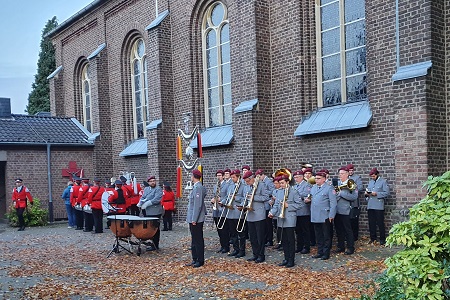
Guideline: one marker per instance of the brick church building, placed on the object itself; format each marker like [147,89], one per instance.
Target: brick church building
[270,84]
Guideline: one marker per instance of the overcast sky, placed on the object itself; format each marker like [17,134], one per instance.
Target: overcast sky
[21,24]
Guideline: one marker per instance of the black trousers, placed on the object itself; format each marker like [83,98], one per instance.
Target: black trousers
[344,232]
[79,219]
[355,227]
[224,233]
[98,220]
[303,232]
[323,237]
[133,210]
[19,212]
[157,235]
[257,233]
[237,238]
[198,243]
[269,224]
[288,243]
[312,234]
[88,221]
[376,218]
[167,220]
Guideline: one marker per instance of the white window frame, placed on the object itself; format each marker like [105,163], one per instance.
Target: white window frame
[342,53]
[87,118]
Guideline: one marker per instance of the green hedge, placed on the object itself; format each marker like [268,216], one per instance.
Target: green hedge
[34,215]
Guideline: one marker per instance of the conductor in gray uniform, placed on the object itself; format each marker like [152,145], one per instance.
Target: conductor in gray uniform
[354,213]
[376,193]
[196,212]
[151,205]
[323,211]
[256,216]
[345,197]
[288,222]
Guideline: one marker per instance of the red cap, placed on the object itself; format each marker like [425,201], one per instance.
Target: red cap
[374,171]
[235,172]
[321,174]
[343,169]
[259,172]
[299,172]
[277,178]
[307,170]
[220,172]
[325,171]
[246,167]
[197,174]
[284,177]
[247,174]
[227,171]
[150,178]
[350,167]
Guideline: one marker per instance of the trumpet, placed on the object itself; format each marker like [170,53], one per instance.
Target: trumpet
[216,195]
[284,172]
[247,205]
[350,185]
[228,204]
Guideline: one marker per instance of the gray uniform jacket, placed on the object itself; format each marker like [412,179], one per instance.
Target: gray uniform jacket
[304,189]
[154,195]
[277,193]
[360,187]
[382,188]
[216,213]
[233,213]
[196,210]
[323,203]
[270,187]
[290,213]
[345,198]
[260,198]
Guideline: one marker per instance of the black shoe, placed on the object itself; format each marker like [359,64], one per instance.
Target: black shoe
[278,246]
[317,256]
[220,250]
[79,228]
[94,232]
[349,252]
[198,264]
[225,250]
[253,258]
[290,265]
[240,254]
[165,229]
[21,229]
[304,251]
[86,230]
[283,263]
[268,244]
[260,260]
[298,250]
[339,250]
[325,257]
[234,253]
[382,243]
[190,264]
[151,248]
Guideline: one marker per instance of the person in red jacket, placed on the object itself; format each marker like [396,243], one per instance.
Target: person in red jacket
[20,195]
[83,198]
[76,203]
[95,201]
[168,202]
[118,198]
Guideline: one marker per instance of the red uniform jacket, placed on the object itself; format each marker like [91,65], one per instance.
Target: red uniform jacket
[168,200]
[134,198]
[121,208]
[20,198]
[83,194]
[95,197]
[74,194]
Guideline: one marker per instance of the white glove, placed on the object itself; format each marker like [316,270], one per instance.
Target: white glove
[146,204]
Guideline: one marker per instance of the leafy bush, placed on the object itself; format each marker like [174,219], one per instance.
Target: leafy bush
[422,267]
[33,215]
[387,288]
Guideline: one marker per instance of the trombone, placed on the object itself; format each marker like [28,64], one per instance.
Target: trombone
[247,205]
[228,205]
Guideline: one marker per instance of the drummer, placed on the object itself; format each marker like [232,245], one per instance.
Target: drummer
[150,204]
[118,197]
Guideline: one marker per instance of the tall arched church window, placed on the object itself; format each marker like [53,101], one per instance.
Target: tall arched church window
[139,85]
[216,65]
[86,91]
[341,51]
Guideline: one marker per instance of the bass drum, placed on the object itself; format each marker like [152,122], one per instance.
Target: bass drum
[106,207]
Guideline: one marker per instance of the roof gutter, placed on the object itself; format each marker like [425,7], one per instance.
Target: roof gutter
[80,14]
[45,144]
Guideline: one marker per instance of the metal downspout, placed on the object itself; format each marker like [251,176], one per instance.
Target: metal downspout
[49,175]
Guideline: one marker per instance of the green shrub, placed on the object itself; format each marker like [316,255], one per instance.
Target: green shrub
[33,215]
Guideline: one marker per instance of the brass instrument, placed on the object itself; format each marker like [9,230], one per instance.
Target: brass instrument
[216,195]
[134,182]
[350,185]
[247,205]
[283,172]
[228,204]
[312,180]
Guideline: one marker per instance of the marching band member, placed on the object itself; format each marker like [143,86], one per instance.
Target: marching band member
[244,169]
[196,217]
[354,213]
[237,239]
[377,191]
[20,196]
[95,201]
[168,203]
[83,198]
[323,211]
[345,197]
[133,198]
[268,183]
[117,197]
[151,204]
[220,190]
[303,214]
[307,174]
[74,191]
[288,200]
[276,183]
[256,216]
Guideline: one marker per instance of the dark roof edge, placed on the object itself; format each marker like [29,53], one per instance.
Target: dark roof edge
[78,15]
[45,144]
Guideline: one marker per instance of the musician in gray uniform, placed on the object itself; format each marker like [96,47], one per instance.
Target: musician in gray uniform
[196,212]
[303,226]
[268,183]
[323,211]
[376,193]
[234,197]
[345,197]
[275,193]
[150,204]
[288,199]
[220,192]
[256,215]
[354,213]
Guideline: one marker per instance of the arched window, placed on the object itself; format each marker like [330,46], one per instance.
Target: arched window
[140,88]
[216,65]
[86,91]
